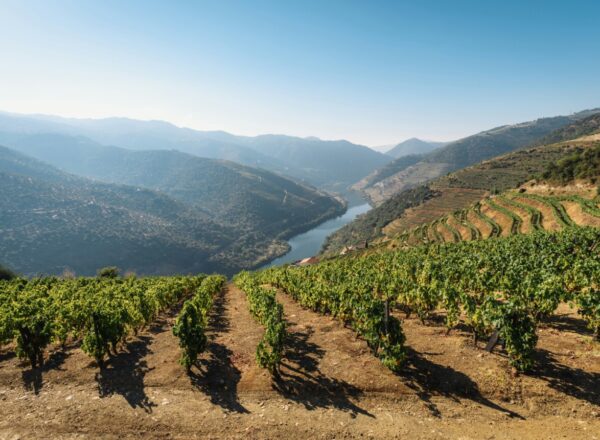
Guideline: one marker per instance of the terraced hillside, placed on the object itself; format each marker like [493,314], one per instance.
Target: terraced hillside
[457,191]
[567,195]
[528,209]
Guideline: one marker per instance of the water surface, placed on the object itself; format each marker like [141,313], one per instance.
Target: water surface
[309,243]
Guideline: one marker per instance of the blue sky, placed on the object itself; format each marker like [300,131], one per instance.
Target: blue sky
[373,72]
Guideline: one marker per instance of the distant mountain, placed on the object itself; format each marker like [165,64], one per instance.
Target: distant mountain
[327,164]
[462,153]
[413,146]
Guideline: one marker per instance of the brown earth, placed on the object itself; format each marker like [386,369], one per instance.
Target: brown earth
[549,222]
[450,200]
[330,386]
[526,226]
[444,232]
[483,227]
[579,216]
[465,233]
[503,220]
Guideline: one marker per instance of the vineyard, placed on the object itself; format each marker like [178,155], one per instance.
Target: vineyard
[378,341]
[100,312]
[500,288]
[513,212]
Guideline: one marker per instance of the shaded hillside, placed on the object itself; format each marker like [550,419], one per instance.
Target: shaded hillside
[468,151]
[461,188]
[52,221]
[248,199]
[413,146]
[327,164]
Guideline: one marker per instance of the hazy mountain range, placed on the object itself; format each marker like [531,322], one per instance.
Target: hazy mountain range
[203,213]
[332,165]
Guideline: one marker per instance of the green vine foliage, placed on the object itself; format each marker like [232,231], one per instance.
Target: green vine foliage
[505,285]
[191,323]
[269,313]
[99,312]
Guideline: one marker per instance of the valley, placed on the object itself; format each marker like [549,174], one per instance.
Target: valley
[465,304]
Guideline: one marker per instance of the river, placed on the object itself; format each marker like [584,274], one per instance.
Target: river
[309,243]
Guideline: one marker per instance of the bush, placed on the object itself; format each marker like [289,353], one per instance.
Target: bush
[108,272]
[6,274]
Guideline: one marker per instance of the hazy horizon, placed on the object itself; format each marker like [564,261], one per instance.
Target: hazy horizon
[373,75]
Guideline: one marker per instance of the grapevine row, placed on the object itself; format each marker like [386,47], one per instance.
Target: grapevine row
[501,286]
[99,312]
[269,313]
[191,322]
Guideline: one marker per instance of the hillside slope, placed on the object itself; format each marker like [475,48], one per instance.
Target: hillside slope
[465,152]
[458,190]
[413,146]
[565,194]
[52,221]
[248,199]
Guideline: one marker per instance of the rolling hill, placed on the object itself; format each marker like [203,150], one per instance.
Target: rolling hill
[52,221]
[462,153]
[250,199]
[85,224]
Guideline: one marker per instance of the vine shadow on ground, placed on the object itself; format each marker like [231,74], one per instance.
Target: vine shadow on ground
[124,375]
[33,377]
[301,381]
[217,375]
[574,382]
[7,355]
[429,379]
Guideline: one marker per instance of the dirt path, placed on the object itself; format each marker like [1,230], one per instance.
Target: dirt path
[331,387]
